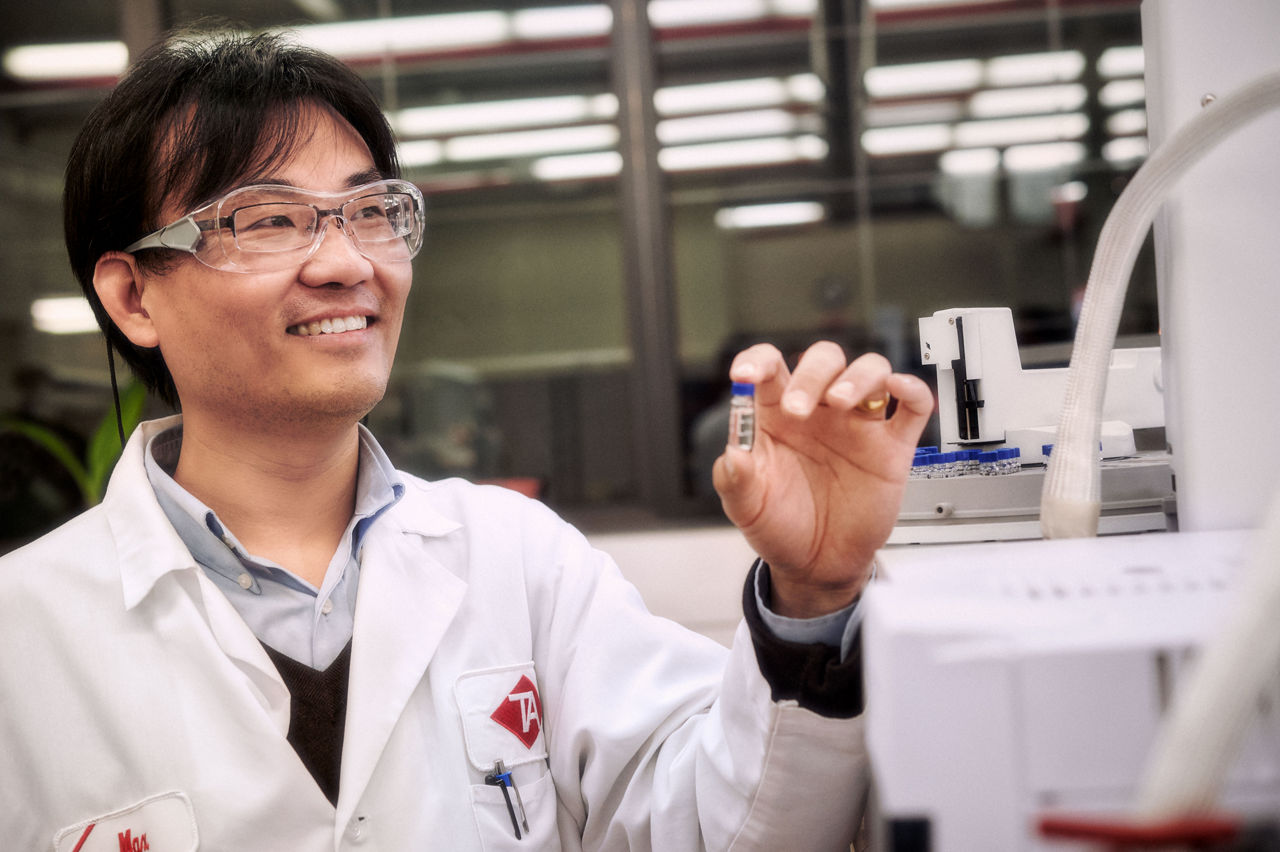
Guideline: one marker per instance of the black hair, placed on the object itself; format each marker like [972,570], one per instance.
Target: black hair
[199,112]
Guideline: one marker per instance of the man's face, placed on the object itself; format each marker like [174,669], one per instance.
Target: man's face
[231,339]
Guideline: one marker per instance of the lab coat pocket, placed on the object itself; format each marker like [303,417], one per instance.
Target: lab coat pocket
[527,821]
[501,716]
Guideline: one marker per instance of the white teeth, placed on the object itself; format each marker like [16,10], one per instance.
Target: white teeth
[331,325]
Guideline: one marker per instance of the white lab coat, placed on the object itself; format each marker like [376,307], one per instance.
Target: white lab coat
[129,684]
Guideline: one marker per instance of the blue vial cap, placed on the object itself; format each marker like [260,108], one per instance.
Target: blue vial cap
[923,451]
[744,389]
[988,456]
[920,460]
[1046,449]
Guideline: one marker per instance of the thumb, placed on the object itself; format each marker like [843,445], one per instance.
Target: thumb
[735,480]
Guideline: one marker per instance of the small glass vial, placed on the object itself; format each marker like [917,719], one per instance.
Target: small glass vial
[920,466]
[742,416]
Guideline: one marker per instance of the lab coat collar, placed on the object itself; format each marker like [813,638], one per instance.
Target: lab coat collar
[147,545]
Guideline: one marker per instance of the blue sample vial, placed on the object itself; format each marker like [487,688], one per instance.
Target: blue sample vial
[943,465]
[1009,460]
[989,462]
[920,466]
[742,416]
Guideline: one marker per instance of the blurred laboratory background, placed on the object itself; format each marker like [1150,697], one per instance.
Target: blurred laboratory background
[619,194]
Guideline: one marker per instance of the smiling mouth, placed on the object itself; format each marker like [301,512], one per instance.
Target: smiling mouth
[335,325]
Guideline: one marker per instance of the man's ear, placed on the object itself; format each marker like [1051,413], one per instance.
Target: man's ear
[119,285]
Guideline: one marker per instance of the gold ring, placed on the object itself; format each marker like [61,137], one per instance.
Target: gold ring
[873,404]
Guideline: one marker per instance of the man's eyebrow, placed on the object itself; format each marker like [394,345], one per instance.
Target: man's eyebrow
[369,175]
[360,178]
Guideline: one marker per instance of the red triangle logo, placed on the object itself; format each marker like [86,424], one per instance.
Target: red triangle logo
[520,712]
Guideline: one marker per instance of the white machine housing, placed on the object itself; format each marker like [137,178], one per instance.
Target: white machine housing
[986,398]
[989,704]
[1016,680]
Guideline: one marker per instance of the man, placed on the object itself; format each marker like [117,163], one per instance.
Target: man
[268,638]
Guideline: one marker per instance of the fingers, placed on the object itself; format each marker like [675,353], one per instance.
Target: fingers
[823,377]
[810,383]
[861,386]
[763,366]
[915,406]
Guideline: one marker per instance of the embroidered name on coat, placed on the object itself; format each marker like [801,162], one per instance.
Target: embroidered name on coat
[520,712]
[128,843]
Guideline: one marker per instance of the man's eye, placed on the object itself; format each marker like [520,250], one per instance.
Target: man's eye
[370,211]
[266,223]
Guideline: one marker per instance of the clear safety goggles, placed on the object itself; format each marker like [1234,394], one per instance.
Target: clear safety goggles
[270,228]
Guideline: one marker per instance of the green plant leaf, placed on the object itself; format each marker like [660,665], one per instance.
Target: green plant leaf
[56,447]
[104,447]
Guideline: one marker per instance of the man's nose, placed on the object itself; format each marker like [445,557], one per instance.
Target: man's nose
[336,258]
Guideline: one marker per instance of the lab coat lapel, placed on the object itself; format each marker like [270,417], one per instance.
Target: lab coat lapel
[148,549]
[238,642]
[405,604]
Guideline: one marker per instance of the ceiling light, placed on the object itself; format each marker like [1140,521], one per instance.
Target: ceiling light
[1029,101]
[1125,151]
[423,152]
[923,78]
[726,95]
[806,88]
[1014,131]
[1035,68]
[562,22]
[1121,62]
[84,60]
[925,112]
[916,139]
[495,146]
[794,8]
[770,215]
[744,152]
[577,166]
[970,161]
[896,5]
[1039,158]
[451,119]
[63,315]
[685,13]
[730,125]
[1120,93]
[1127,122]
[417,34]
[1072,192]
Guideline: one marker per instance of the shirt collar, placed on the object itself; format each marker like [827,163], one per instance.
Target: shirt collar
[378,488]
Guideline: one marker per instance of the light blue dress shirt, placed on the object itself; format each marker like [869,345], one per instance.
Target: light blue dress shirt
[308,624]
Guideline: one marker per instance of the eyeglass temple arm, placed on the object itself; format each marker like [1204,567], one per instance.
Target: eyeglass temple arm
[183,235]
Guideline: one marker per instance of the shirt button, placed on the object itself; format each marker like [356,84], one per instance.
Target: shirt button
[245,581]
[326,607]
